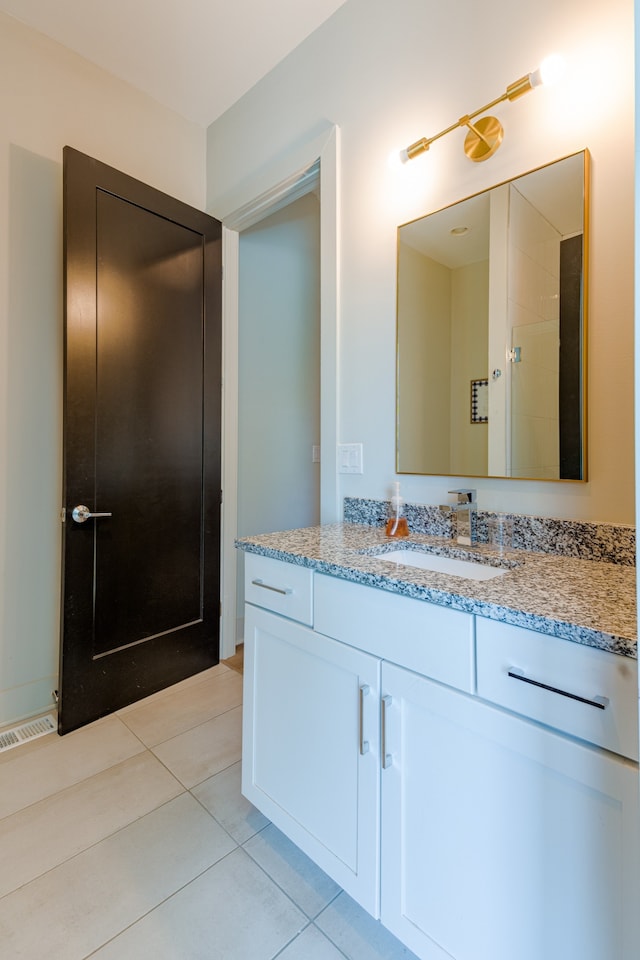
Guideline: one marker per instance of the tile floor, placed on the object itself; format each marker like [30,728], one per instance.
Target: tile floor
[129,839]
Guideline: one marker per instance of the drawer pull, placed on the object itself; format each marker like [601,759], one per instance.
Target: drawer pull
[387,759]
[600,702]
[364,744]
[267,586]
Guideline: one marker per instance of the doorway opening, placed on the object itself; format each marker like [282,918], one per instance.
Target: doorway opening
[279,374]
[309,174]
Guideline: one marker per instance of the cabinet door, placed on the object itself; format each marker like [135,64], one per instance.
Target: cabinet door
[501,839]
[310,747]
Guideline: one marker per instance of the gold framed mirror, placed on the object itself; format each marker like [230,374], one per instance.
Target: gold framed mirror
[494,288]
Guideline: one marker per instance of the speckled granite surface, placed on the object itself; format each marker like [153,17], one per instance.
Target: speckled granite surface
[586,601]
[613,543]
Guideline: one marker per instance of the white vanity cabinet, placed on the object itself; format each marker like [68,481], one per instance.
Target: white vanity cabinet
[502,839]
[310,732]
[582,691]
[381,738]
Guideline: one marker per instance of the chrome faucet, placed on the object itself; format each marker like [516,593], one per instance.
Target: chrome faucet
[464,512]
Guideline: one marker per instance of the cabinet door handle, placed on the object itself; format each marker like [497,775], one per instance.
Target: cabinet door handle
[387,759]
[285,591]
[364,744]
[600,702]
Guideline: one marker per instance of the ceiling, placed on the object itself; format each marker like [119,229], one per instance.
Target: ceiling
[195,56]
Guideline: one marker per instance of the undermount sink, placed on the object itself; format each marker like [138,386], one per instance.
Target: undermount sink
[469,569]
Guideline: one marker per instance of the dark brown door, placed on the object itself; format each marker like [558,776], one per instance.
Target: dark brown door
[142,441]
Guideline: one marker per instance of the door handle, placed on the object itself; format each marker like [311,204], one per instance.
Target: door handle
[82,513]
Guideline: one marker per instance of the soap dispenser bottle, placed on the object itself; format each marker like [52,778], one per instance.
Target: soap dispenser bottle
[396,524]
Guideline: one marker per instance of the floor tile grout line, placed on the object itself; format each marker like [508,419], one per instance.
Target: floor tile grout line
[322,933]
[83,779]
[90,846]
[142,704]
[193,785]
[329,937]
[49,797]
[190,683]
[152,749]
[152,700]
[310,921]
[188,729]
[276,884]
[273,879]
[144,748]
[160,903]
[175,736]
[293,939]
[213,816]
[40,745]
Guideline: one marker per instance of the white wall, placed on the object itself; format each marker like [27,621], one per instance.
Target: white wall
[390,73]
[49,98]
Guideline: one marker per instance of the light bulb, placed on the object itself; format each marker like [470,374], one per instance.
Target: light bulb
[396,160]
[550,71]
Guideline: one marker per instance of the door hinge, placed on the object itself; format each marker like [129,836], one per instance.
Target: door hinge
[63,515]
[514,355]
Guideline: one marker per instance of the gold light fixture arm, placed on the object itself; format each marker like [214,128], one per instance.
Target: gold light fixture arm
[523,85]
[422,145]
[477,130]
[484,137]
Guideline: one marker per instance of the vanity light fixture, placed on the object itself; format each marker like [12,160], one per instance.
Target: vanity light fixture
[485,135]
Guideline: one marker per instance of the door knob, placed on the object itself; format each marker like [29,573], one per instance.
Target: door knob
[82,513]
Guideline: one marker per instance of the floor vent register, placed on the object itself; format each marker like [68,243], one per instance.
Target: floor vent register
[27,731]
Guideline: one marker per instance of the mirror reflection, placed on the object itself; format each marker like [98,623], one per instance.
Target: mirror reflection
[491,331]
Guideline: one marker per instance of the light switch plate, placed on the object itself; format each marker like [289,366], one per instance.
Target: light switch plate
[350,458]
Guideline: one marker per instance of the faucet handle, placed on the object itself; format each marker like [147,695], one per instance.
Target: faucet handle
[465,496]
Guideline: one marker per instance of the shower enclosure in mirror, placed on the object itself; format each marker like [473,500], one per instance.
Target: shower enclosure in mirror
[494,289]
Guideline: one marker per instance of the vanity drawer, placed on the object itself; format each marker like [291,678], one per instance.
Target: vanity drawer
[607,684]
[423,637]
[285,588]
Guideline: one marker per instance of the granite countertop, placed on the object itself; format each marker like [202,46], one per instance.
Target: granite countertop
[586,601]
